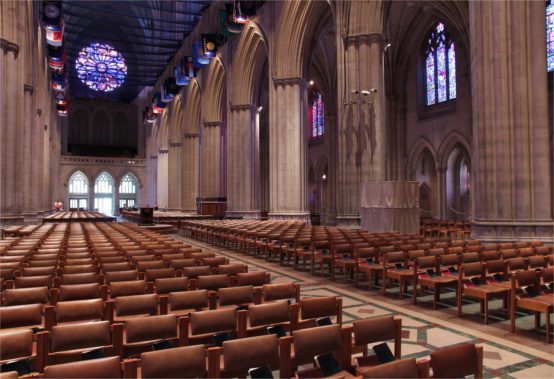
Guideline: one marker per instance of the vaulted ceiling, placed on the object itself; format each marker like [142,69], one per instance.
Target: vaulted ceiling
[146,33]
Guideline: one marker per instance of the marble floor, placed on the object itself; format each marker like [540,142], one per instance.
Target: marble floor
[506,355]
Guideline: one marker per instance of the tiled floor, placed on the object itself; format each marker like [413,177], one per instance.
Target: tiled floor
[506,355]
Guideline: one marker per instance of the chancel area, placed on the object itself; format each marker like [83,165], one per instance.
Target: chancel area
[276,189]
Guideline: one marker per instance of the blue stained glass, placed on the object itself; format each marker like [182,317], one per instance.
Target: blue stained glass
[440,66]
[452,71]
[550,36]
[317,114]
[314,119]
[431,79]
[441,72]
[101,67]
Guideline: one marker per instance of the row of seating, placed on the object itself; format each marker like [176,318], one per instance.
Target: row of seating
[234,358]
[473,270]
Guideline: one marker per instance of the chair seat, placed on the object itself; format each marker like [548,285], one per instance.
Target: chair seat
[437,280]
[483,290]
[541,303]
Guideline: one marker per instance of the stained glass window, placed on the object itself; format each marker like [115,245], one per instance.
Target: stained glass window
[440,66]
[317,113]
[78,183]
[550,35]
[101,67]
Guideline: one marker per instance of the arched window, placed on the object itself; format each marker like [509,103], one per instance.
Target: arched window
[128,191]
[550,35]
[78,191]
[104,193]
[316,113]
[78,183]
[440,66]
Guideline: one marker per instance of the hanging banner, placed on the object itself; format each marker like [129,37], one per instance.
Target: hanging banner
[60,97]
[199,60]
[181,78]
[62,110]
[56,57]
[55,37]
[209,45]
[58,80]
[158,106]
[227,24]
[52,14]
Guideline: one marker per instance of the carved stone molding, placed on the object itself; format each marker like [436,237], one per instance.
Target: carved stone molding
[288,81]
[39,112]
[175,144]
[8,46]
[190,135]
[163,151]
[153,157]
[243,107]
[367,38]
[28,88]
[213,124]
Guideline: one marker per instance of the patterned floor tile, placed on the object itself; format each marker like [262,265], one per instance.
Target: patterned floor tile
[537,372]
[438,337]
[507,358]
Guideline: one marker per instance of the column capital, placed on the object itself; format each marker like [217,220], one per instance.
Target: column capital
[289,81]
[213,124]
[28,88]
[8,46]
[153,157]
[190,135]
[163,151]
[242,107]
[368,38]
[175,144]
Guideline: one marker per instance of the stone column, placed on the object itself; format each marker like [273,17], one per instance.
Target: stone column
[288,197]
[511,166]
[362,136]
[162,179]
[210,160]
[8,205]
[189,167]
[27,155]
[243,163]
[175,172]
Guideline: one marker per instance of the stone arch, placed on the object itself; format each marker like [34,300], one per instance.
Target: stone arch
[73,172]
[100,171]
[248,65]
[176,125]
[213,108]
[415,153]
[121,129]
[300,22]
[449,144]
[365,17]
[192,109]
[79,127]
[102,128]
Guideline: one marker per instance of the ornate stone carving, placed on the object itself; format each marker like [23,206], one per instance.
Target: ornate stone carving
[288,81]
[190,135]
[243,107]
[163,151]
[28,88]
[368,38]
[175,144]
[8,46]
[213,124]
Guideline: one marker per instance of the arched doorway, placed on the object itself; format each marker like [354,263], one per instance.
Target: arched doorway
[78,191]
[458,184]
[425,173]
[128,191]
[104,194]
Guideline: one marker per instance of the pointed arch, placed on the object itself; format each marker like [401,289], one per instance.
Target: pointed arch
[300,23]
[192,108]
[448,144]
[248,65]
[213,107]
[417,149]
